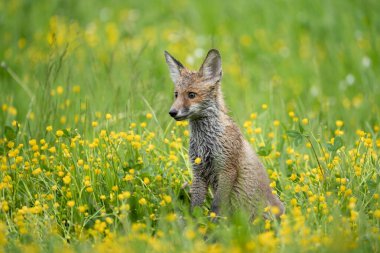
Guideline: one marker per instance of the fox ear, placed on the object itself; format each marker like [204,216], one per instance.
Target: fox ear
[212,66]
[175,67]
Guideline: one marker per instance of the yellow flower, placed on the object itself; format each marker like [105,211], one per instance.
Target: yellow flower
[247,124]
[126,194]
[13,111]
[103,133]
[108,116]
[267,224]
[305,121]
[4,206]
[94,123]
[21,43]
[128,177]
[339,123]
[212,215]
[52,150]
[198,160]
[190,234]
[70,203]
[202,230]
[268,239]
[376,214]
[264,106]
[245,40]
[276,123]
[146,180]
[59,133]
[354,215]
[49,128]
[59,90]
[76,88]
[149,115]
[11,144]
[81,209]
[112,33]
[171,217]
[109,220]
[67,179]
[142,201]
[37,171]
[167,199]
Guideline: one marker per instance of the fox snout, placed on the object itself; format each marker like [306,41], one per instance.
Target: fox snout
[173,112]
[179,114]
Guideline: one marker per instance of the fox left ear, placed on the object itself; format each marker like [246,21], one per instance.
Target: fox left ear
[175,67]
[212,66]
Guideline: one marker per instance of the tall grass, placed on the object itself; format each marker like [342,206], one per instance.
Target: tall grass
[90,160]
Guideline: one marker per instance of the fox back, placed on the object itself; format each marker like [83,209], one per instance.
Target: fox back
[227,163]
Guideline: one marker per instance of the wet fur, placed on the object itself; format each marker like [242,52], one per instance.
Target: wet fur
[229,165]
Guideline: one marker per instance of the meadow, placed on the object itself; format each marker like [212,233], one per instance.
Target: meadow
[90,160]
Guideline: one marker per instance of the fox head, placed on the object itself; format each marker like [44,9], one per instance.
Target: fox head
[197,94]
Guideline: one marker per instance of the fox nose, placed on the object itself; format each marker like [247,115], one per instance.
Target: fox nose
[173,112]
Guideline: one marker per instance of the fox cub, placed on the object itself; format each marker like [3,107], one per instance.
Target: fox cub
[227,162]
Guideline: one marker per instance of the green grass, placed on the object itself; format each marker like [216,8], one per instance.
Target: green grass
[300,78]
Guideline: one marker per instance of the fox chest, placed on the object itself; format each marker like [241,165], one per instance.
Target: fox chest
[210,152]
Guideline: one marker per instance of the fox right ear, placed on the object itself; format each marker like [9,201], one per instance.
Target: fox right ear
[175,67]
[211,68]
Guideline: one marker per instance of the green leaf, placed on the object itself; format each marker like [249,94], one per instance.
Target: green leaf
[264,151]
[197,211]
[330,147]
[302,130]
[293,133]
[298,140]
[338,142]
[66,133]
[9,133]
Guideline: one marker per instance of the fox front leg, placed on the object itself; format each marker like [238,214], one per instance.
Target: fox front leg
[222,195]
[198,192]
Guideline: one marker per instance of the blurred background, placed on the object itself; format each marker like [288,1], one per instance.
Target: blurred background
[67,63]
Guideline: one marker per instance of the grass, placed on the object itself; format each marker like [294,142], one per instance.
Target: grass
[90,160]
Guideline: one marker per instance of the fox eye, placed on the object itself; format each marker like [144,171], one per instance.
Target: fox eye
[191,95]
[175,94]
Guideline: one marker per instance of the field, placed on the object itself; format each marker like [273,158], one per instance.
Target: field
[90,160]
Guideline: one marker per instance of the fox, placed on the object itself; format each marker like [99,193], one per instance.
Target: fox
[221,158]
